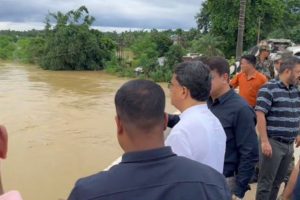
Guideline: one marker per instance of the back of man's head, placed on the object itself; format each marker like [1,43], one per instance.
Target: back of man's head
[195,76]
[140,105]
[251,59]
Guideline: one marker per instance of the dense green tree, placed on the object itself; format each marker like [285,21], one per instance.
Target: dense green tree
[7,46]
[22,52]
[162,42]
[208,45]
[289,26]
[174,55]
[71,45]
[145,52]
[220,18]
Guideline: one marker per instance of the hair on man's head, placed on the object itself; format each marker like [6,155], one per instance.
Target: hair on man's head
[195,76]
[250,59]
[289,63]
[140,103]
[219,64]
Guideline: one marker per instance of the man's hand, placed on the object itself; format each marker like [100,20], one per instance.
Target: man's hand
[3,142]
[235,197]
[297,141]
[266,148]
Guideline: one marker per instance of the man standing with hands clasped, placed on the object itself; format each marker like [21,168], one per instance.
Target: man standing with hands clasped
[278,116]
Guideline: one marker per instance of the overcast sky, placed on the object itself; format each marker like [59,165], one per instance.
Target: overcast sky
[143,14]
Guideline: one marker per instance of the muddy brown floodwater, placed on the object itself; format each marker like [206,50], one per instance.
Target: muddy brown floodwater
[61,127]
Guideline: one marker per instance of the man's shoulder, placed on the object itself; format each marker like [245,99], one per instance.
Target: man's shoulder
[236,102]
[94,180]
[90,187]
[271,84]
[261,76]
[100,183]
[241,75]
[181,171]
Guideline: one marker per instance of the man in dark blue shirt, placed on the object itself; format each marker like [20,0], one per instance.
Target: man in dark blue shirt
[148,170]
[238,120]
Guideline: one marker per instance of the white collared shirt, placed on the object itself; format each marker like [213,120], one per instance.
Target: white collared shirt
[199,136]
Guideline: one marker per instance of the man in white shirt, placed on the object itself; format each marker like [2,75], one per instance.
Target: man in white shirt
[198,135]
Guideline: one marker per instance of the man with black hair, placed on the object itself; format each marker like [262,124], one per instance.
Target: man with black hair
[238,120]
[249,80]
[278,116]
[198,135]
[148,170]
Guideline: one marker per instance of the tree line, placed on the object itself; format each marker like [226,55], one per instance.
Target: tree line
[68,41]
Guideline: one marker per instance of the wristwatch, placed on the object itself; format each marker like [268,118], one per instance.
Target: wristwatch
[235,197]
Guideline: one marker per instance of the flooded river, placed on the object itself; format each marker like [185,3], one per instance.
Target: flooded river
[61,127]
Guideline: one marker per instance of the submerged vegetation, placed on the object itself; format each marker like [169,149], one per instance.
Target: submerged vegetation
[68,41]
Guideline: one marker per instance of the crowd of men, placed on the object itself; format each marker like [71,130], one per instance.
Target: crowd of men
[215,143]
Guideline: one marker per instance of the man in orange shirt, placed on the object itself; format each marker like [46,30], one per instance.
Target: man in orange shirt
[249,80]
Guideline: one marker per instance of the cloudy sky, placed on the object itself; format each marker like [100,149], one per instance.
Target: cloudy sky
[109,14]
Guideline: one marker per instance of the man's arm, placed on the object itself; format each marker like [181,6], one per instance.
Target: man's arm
[3,150]
[235,81]
[263,106]
[178,144]
[247,146]
[262,130]
[297,141]
[288,191]
[3,142]
[173,120]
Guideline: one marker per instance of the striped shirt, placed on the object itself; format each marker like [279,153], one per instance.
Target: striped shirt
[281,105]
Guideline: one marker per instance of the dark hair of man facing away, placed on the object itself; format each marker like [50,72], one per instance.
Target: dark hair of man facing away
[148,170]
[195,78]
[250,58]
[140,104]
[140,108]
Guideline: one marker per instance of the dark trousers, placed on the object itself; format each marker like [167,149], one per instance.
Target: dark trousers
[273,170]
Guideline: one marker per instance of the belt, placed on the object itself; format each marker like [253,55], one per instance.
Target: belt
[283,140]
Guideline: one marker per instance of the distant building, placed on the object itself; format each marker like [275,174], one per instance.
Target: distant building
[176,39]
[191,57]
[161,61]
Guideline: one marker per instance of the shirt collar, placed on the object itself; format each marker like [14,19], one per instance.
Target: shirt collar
[148,155]
[222,98]
[192,109]
[253,76]
[282,85]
